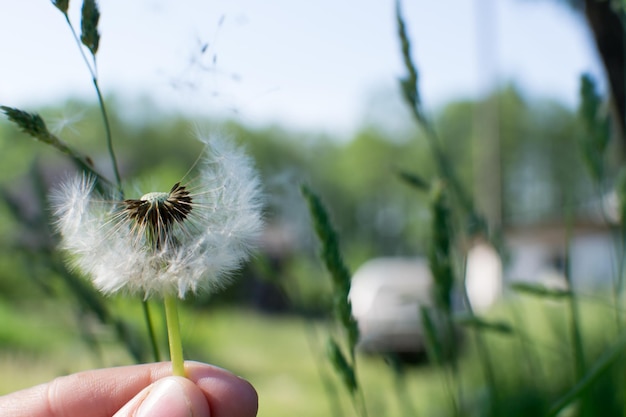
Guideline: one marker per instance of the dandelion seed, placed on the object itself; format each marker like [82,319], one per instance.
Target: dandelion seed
[65,122]
[165,243]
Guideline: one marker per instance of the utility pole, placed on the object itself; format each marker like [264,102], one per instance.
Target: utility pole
[486,130]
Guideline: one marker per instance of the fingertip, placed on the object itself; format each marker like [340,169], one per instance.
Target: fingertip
[228,395]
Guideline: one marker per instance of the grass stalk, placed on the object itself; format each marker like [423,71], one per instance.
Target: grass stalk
[410,90]
[344,365]
[436,353]
[485,361]
[603,364]
[105,118]
[109,138]
[574,316]
[151,333]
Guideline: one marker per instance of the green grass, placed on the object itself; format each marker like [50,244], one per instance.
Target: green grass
[281,356]
[284,358]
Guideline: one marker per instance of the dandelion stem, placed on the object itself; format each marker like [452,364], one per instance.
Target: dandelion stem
[173,335]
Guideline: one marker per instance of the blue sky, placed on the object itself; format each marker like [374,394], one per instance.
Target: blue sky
[315,65]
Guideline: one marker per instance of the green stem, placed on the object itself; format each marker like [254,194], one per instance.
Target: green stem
[173,335]
[107,128]
[602,365]
[151,332]
[105,118]
[91,69]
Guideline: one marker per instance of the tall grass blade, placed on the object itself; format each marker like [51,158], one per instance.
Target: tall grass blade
[410,89]
[597,128]
[414,180]
[331,256]
[440,251]
[409,83]
[540,290]
[147,315]
[433,346]
[574,316]
[477,323]
[602,365]
[341,280]
[341,365]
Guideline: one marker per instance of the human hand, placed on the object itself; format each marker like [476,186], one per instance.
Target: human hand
[137,391]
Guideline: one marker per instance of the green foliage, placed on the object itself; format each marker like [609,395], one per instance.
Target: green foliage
[601,366]
[541,166]
[373,211]
[21,328]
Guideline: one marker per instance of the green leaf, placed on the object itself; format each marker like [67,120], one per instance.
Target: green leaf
[610,356]
[89,26]
[478,323]
[540,290]
[414,180]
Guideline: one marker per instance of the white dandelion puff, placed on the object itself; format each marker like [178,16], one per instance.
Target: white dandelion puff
[182,241]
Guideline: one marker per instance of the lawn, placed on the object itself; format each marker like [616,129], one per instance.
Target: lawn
[284,357]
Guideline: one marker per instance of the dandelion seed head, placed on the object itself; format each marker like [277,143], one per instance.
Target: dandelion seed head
[155,197]
[187,240]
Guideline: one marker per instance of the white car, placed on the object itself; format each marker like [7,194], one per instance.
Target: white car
[386,296]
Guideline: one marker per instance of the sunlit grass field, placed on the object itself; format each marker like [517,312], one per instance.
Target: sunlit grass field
[284,356]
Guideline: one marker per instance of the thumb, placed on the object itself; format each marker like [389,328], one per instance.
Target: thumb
[172,396]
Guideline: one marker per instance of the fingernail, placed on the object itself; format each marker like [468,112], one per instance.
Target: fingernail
[167,398]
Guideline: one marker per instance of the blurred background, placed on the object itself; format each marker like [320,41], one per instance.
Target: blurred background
[312,91]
